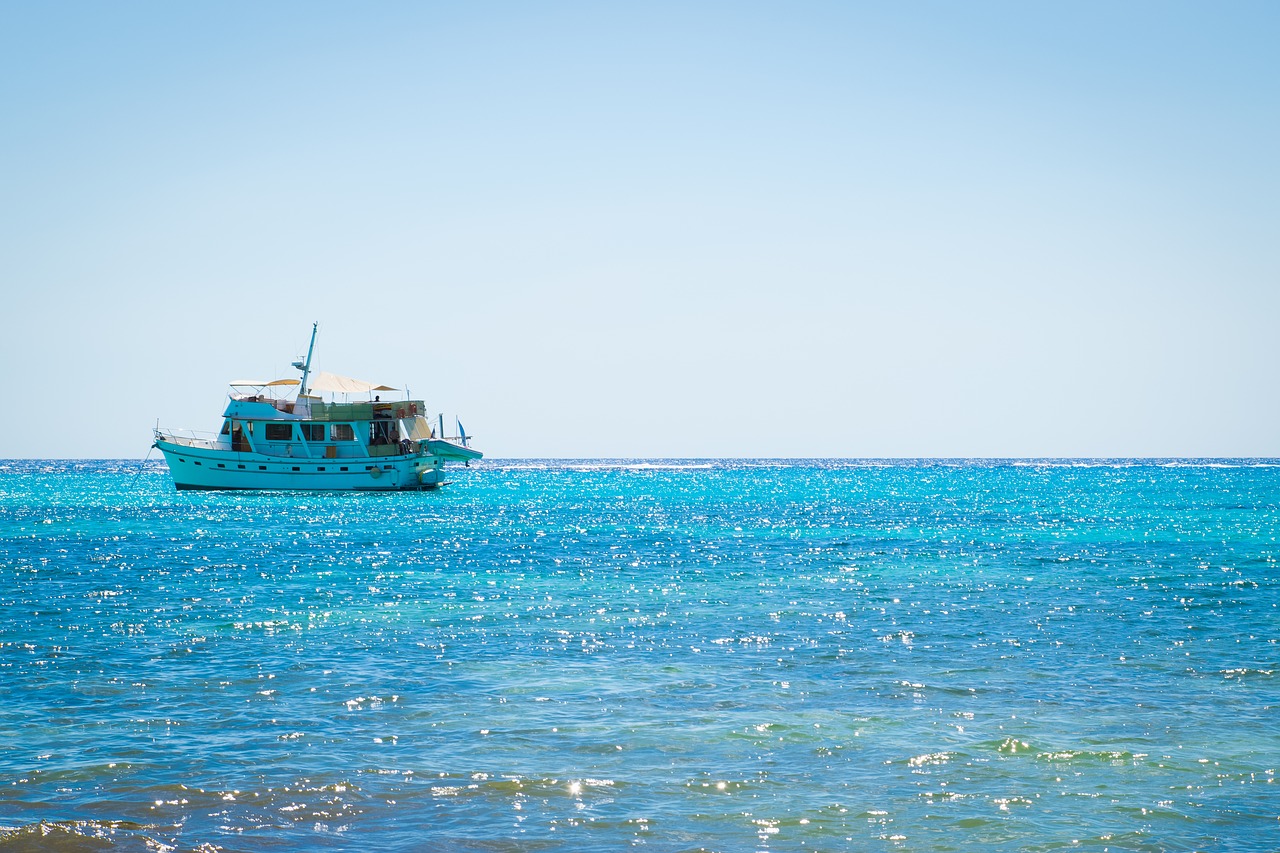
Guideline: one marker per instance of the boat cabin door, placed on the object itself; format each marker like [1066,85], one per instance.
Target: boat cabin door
[238,442]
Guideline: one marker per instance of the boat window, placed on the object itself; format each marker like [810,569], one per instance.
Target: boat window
[226,427]
[313,432]
[343,432]
[279,432]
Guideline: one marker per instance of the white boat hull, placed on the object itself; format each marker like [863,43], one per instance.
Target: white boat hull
[195,467]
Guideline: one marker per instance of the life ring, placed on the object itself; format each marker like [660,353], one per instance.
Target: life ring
[375,472]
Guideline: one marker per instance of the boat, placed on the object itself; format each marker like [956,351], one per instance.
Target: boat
[295,434]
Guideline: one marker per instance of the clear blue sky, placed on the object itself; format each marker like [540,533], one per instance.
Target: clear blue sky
[652,229]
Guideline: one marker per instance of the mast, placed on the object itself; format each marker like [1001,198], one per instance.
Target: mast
[306,368]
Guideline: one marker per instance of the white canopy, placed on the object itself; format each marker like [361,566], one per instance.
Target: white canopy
[321,381]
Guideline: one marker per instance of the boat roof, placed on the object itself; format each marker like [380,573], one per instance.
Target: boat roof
[262,383]
[322,381]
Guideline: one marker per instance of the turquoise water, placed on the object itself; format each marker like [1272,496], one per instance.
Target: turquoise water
[722,656]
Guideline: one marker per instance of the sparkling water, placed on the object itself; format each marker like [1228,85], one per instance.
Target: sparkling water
[677,656]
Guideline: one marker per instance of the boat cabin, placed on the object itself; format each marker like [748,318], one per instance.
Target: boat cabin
[311,428]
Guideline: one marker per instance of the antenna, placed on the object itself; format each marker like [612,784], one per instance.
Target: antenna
[306,368]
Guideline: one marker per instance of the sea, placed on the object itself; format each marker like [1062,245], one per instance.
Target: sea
[662,655]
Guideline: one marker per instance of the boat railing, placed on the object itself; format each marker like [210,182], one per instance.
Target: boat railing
[189,437]
[346,412]
[276,403]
